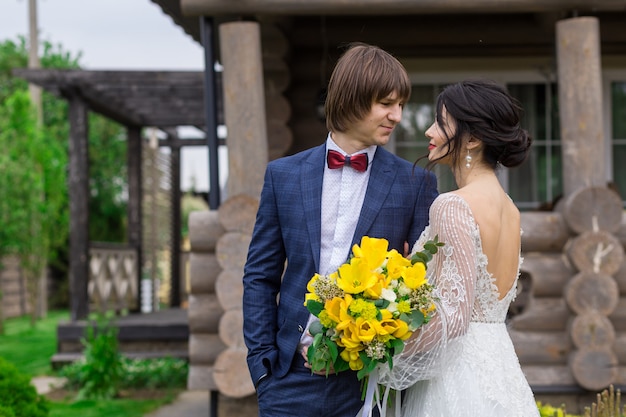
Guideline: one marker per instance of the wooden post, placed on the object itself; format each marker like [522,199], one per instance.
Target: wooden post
[134,199]
[244,106]
[580,103]
[175,227]
[79,208]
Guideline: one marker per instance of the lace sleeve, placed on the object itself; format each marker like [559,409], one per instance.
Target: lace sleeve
[452,271]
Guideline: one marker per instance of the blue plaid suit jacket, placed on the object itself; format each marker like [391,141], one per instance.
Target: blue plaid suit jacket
[286,237]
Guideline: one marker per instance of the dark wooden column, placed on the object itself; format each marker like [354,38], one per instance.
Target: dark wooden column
[210,109]
[135,197]
[78,184]
[176,228]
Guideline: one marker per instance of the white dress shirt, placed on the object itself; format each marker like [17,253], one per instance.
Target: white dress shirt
[343,192]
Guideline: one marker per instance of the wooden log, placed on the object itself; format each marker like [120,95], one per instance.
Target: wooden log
[229,289]
[204,348]
[544,375]
[580,103]
[231,373]
[618,316]
[594,368]
[273,40]
[590,292]
[621,233]
[547,347]
[549,272]
[277,108]
[280,138]
[232,250]
[543,232]
[593,209]
[542,314]
[277,76]
[204,230]
[620,278]
[231,328]
[238,213]
[591,329]
[201,377]
[244,106]
[599,251]
[204,313]
[203,272]
[620,347]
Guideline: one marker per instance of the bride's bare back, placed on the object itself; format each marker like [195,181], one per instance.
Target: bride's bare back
[498,220]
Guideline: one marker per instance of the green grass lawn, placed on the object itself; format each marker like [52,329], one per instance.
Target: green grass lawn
[30,350]
[117,408]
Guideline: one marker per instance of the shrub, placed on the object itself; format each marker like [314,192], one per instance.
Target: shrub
[136,373]
[608,405]
[17,396]
[6,412]
[154,373]
[101,371]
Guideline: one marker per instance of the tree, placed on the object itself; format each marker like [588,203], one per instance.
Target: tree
[34,206]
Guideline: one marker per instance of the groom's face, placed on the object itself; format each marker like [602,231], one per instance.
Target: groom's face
[376,127]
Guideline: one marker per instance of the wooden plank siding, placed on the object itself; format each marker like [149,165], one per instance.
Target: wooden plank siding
[13,287]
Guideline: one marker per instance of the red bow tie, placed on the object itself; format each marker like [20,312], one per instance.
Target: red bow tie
[337,160]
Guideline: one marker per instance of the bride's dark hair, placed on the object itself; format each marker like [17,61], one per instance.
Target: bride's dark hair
[485,110]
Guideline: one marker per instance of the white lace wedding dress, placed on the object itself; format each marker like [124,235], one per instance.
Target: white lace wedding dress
[463,362]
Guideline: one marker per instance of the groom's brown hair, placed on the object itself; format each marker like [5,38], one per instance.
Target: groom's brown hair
[364,74]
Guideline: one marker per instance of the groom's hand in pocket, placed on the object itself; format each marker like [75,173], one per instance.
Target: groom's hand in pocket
[331,371]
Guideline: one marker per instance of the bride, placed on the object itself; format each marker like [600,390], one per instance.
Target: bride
[462,363]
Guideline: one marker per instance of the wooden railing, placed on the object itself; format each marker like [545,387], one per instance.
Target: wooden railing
[113,277]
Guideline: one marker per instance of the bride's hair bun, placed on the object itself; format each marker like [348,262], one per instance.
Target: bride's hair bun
[485,110]
[515,150]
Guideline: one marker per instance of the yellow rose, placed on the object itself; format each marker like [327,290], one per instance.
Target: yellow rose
[396,264]
[355,277]
[365,330]
[415,276]
[373,250]
[337,310]
[394,327]
[349,337]
[353,359]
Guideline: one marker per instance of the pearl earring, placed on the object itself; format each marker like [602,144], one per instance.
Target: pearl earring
[468,160]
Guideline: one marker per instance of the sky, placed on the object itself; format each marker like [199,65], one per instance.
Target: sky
[115,35]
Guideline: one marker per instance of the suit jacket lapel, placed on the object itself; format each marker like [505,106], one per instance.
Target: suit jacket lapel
[311,178]
[381,179]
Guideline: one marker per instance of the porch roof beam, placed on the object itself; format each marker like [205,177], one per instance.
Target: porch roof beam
[388,7]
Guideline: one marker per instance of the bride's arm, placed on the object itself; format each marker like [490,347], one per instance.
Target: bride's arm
[453,273]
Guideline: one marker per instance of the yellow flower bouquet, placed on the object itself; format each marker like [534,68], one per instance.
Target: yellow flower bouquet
[368,307]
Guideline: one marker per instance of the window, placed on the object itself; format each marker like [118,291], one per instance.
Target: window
[618,117]
[538,182]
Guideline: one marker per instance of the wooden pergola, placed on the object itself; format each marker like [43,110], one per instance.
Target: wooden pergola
[135,99]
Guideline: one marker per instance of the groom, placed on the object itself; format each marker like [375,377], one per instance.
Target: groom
[314,206]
